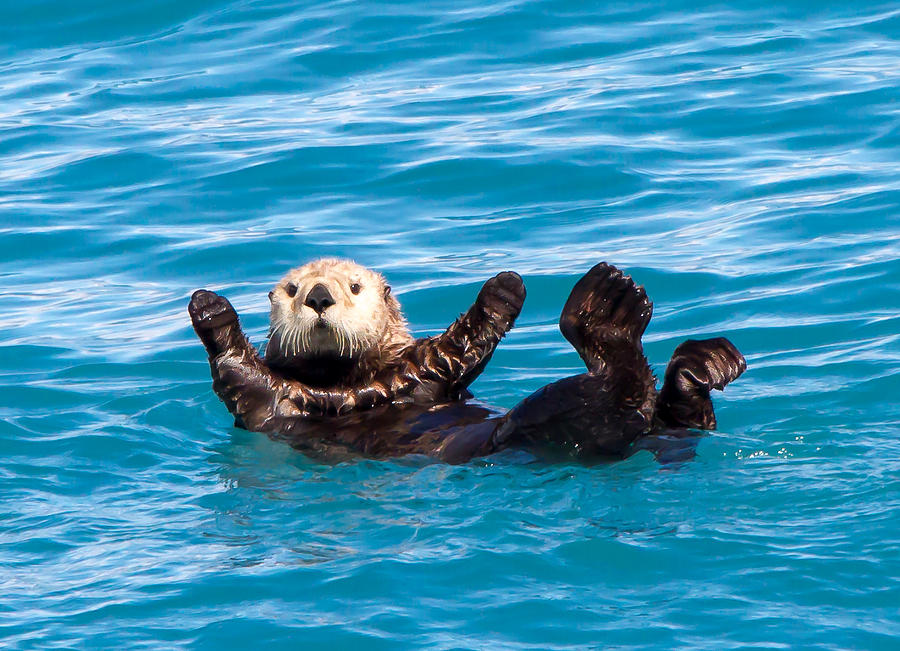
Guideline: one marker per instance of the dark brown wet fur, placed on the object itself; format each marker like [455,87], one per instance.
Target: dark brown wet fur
[416,404]
[601,412]
[431,370]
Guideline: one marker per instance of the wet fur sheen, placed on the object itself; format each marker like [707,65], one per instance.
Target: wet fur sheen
[359,384]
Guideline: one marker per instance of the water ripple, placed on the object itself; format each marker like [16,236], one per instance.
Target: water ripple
[739,162]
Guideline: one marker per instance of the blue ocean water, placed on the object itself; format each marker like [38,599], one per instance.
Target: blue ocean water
[739,161]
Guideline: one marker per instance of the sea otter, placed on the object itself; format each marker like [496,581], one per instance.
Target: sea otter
[343,376]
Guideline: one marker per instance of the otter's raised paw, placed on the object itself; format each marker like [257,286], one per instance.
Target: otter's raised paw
[502,296]
[208,310]
[696,368]
[706,364]
[605,304]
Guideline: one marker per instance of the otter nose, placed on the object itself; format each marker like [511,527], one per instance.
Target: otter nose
[319,298]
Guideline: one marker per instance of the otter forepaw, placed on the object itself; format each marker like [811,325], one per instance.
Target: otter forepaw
[209,311]
[503,296]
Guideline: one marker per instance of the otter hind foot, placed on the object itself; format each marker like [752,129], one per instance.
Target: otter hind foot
[697,367]
[606,312]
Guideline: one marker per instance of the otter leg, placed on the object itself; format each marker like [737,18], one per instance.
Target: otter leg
[575,417]
[459,355]
[600,413]
[695,369]
[604,319]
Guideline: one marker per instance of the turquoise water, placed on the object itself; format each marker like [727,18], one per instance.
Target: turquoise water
[741,163]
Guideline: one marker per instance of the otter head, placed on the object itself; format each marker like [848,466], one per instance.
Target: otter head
[332,308]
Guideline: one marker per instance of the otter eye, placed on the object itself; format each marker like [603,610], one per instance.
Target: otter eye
[291,289]
[354,287]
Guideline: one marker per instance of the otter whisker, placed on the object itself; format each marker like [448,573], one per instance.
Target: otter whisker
[282,339]
[294,336]
[286,340]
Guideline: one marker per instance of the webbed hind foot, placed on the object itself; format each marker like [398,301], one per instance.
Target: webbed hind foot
[606,314]
[696,368]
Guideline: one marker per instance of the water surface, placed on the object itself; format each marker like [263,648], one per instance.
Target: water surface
[740,162]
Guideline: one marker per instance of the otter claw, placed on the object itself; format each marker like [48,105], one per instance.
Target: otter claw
[208,310]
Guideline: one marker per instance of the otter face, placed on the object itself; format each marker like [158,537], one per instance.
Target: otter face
[332,307]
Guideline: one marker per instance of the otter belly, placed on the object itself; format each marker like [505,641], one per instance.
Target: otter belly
[453,431]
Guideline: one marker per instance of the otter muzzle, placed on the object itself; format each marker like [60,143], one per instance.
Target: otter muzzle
[319,299]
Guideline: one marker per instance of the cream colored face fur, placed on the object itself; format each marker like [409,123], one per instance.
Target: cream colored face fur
[365,315]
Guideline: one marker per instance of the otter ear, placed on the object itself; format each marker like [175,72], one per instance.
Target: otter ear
[387,291]
[272,296]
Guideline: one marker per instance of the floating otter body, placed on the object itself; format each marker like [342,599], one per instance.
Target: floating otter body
[342,375]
